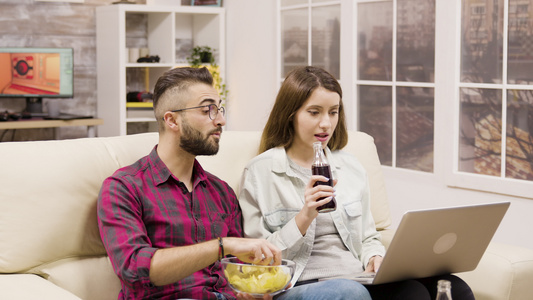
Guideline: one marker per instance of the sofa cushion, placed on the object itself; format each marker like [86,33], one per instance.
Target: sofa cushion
[126,150]
[362,146]
[504,272]
[27,286]
[90,278]
[48,209]
[237,148]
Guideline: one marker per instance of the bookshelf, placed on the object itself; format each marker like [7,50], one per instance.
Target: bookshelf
[161,29]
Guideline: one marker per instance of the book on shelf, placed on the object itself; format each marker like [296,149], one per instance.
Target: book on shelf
[139,105]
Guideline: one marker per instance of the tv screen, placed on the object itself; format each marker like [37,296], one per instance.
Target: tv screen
[36,73]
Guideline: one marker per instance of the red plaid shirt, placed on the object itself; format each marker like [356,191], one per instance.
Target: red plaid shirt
[143,207]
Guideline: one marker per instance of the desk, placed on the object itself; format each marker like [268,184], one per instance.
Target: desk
[41,123]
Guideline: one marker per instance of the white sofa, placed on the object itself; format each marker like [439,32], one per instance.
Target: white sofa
[50,247]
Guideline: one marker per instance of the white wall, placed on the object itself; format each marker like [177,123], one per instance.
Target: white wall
[409,190]
[251,76]
[250,62]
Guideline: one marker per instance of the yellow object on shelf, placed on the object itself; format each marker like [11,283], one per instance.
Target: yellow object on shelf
[139,105]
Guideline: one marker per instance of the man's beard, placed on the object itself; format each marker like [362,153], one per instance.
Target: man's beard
[195,143]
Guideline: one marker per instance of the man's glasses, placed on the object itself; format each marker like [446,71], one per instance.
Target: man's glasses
[213,110]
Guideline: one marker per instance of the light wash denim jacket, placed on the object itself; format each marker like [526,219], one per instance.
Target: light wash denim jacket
[271,194]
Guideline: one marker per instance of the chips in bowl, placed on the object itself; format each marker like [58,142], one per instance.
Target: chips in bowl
[257,280]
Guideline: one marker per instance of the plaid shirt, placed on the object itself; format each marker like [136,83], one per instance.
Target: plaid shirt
[143,207]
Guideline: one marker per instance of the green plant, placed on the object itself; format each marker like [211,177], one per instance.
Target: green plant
[219,85]
[201,55]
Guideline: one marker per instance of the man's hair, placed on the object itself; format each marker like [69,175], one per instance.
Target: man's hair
[171,89]
[295,90]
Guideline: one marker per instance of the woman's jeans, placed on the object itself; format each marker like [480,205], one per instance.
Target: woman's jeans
[334,289]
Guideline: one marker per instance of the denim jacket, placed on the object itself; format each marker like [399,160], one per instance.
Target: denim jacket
[271,195]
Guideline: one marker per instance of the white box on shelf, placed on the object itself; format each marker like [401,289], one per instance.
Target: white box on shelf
[140,113]
[163,2]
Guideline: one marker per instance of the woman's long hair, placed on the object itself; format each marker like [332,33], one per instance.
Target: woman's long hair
[295,90]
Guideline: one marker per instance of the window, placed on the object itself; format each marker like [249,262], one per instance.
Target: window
[478,9]
[495,134]
[444,79]
[310,35]
[395,80]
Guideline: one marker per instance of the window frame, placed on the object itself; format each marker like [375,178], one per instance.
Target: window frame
[394,84]
[346,44]
[454,177]
[446,86]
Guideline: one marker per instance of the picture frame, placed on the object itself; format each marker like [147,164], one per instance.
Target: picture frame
[206,3]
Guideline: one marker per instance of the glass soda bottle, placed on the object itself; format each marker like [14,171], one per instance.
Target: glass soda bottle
[321,167]
[444,290]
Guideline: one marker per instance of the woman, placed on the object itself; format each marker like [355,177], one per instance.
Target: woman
[279,200]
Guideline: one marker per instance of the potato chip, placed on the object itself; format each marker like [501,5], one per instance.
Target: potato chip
[257,279]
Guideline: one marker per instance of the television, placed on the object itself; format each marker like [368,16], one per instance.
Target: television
[36,73]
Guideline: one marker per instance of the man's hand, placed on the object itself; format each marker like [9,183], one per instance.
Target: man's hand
[256,251]
[373,264]
[172,264]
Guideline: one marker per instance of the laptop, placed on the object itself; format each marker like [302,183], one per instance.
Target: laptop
[438,241]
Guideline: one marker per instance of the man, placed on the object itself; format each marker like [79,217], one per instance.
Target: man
[165,222]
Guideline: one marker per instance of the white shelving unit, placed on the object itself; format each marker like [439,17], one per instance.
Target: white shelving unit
[205,26]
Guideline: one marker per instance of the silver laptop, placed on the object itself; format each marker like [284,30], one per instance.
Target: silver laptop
[438,241]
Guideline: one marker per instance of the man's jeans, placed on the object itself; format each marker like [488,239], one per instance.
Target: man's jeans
[220,296]
[335,289]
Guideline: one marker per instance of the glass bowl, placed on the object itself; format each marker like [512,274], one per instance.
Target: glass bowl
[257,280]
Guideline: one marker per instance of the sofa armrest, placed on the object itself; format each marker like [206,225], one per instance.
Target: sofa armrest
[29,286]
[505,272]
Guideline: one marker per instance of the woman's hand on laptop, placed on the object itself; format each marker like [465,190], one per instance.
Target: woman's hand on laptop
[373,264]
